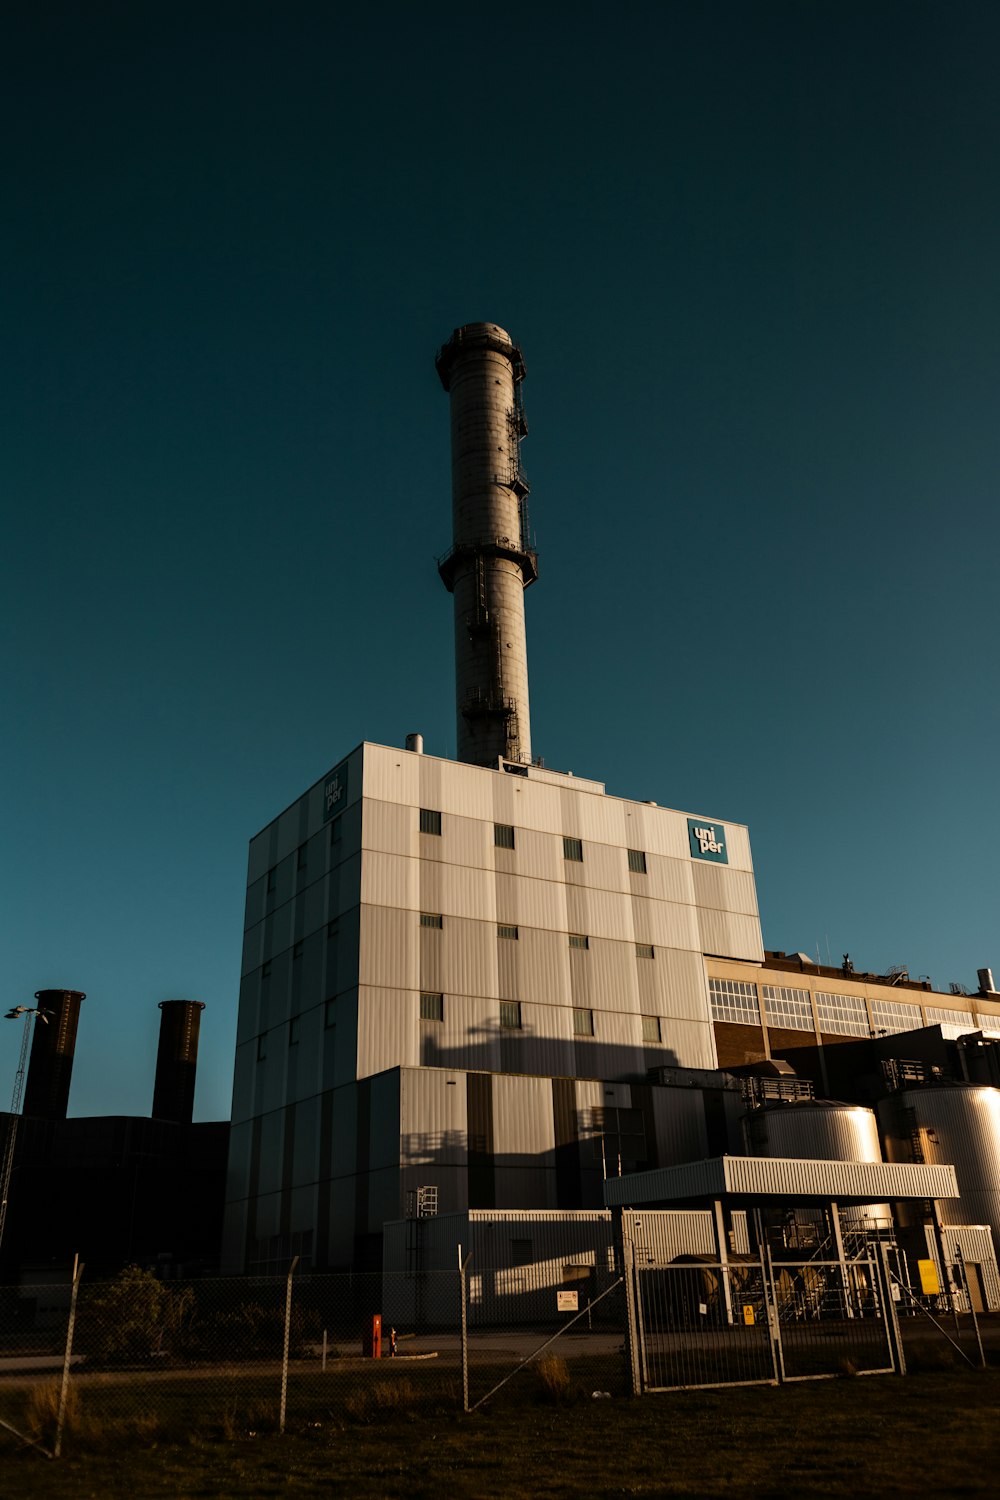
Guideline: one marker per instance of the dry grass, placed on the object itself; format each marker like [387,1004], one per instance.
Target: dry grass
[931,1434]
[382,1401]
[553,1379]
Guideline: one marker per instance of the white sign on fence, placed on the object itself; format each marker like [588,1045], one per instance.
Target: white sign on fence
[567,1301]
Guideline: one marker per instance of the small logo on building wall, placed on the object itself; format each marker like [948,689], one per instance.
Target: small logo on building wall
[708,841]
[335,793]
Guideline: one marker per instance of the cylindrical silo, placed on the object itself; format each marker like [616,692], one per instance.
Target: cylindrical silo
[817,1130]
[53,1043]
[491,561]
[959,1126]
[177,1060]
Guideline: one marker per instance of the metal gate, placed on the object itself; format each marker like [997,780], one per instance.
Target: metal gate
[831,1318]
[711,1323]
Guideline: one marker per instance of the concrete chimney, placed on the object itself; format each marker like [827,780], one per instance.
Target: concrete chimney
[177,1060]
[491,561]
[53,1043]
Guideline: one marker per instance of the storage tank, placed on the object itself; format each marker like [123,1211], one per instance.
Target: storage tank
[816,1130]
[959,1125]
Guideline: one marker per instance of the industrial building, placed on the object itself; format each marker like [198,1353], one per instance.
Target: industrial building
[113,1189]
[486,988]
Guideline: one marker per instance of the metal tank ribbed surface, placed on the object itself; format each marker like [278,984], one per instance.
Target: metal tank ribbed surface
[491,561]
[958,1125]
[816,1131]
[821,1131]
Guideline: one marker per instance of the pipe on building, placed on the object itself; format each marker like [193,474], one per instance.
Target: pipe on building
[53,1043]
[177,1060]
[492,560]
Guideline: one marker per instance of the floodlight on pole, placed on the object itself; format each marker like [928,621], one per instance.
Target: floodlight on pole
[15,1013]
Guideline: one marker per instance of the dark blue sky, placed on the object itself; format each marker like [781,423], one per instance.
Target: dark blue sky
[750,251]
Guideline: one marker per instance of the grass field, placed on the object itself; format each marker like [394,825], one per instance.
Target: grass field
[930,1434]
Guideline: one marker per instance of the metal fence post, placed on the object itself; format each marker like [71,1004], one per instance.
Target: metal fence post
[631,1315]
[462,1264]
[889,1304]
[972,1310]
[284,1356]
[67,1356]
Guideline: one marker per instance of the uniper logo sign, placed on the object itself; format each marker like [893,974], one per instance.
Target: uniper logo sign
[707,841]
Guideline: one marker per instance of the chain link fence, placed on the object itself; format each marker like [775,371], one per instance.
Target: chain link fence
[232,1356]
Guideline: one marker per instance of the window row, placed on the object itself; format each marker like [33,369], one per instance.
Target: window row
[504,837]
[836,1015]
[432,1009]
[507,930]
[302,856]
[430,822]
[435,920]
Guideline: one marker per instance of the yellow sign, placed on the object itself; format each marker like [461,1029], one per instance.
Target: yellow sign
[929,1284]
[748,1316]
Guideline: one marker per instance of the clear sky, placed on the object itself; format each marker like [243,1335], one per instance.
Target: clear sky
[751,253]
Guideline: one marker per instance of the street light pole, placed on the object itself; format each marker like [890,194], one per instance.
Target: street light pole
[29,1013]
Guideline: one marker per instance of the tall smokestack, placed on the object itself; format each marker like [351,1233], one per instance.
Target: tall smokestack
[177,1060]
[491,561]
[53,1043]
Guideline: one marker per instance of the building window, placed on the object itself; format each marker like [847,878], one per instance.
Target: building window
[583,1023]
[510,1015]
[272,880]
[953,1023]
[889,1015]
[335,831]
[297,950]
[734,1000]
[265,970]
[431,919]
[430,821]
[579,940]
[262,1046]
[503,835]
[645,950]
[637,861]
[293,1032]
[330,1015]
[788,1007]
[651,1028]
[573,849]
[505,930]
[301,856]
[842,1015]
[432,1007]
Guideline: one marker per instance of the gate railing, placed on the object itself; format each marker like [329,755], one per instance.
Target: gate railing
[756,1322]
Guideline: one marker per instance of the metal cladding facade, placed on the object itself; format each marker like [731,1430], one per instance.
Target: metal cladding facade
[961,1125]
[177,1060]
[460,977]
[491,561]
[53,1043]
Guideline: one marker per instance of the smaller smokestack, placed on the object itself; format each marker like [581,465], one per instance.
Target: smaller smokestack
[415,742]
[177,1060]
[986,986]
[53,1043]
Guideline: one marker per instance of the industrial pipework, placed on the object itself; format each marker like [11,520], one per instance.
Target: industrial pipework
[177,1060]
[492,560]
[50,1067]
